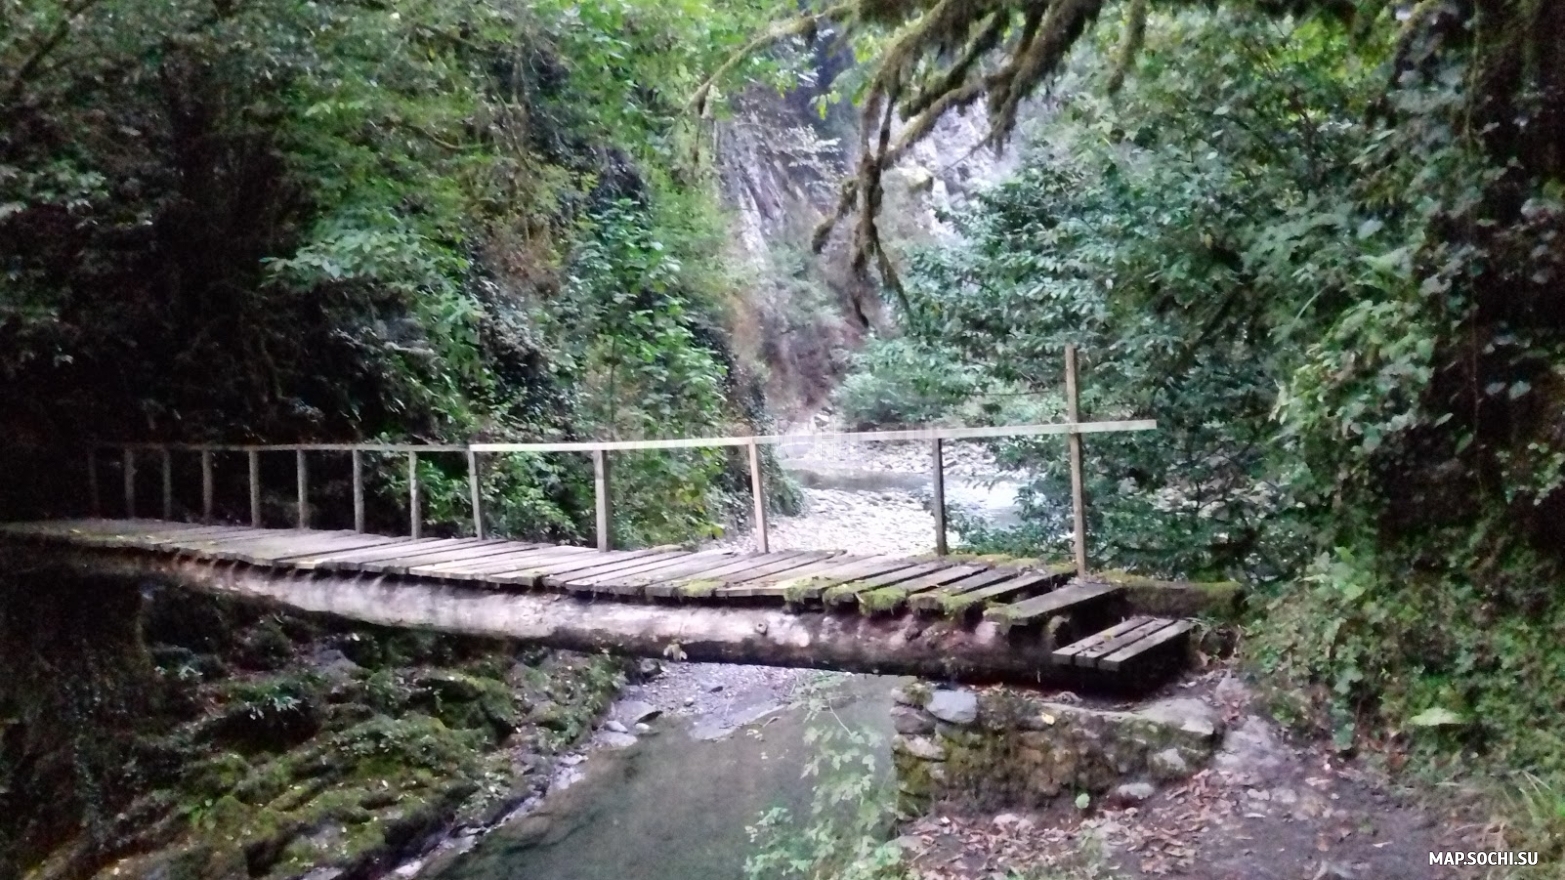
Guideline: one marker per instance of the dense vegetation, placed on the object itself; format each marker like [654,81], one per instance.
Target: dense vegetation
[407,219]
[1324,251]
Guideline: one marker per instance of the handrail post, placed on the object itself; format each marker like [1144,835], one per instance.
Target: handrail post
[130,482]
[255,487]
[208,490]
[168,484]
[473,490]
[758,495]
[358,491]
[600,489]
[938,471]
[301,472]
[415,515]
[1078,499]
[93,497]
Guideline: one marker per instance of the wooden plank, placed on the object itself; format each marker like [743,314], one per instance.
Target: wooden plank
[266,551]
[613,562]
[758,496]
[167,464]
[889,599]
[208,484]
[467,554]
[601,500]
[254,462]
[958,603]
[302,474]
[919,576]
[530,571]
[128,471]
[408,547]
[633,581]
[415,504]
[808,586]
[1066,655]
[360,541]
[358,491]
[736,585]
[939,502]
[772,585]
[672,584]
[404,563]
[1038,608]
[1078,498]
[1163,637]
[475,496]
[187,543]
[479,569]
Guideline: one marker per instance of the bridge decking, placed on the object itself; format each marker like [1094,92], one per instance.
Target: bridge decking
[1021,602]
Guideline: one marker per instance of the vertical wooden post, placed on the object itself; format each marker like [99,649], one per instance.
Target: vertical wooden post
[1078,500]
[129,470]
[358,491]
[415,513]
[302,473]
[93,498]
[255,487]
[758,495]
[168,484]
[600,488]
[208,487]
[474,492]
[937,461]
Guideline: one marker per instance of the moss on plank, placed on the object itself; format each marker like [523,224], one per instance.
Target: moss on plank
[700,589]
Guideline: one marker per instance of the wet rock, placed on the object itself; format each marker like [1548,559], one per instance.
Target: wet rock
[911,722]
[649,669]
[1168,765]
[643,728]
[615,726]
[920,747]
[637,712]
[953,706]
[1132,792]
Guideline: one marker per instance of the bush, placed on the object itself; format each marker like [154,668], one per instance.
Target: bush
[897,382]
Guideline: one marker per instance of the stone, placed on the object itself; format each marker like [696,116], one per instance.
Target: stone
[714,688]
[911,722]
[1250,747]
[1190,716]
[912,695]
[921,747]
[643,727]
[1133,792]
[615,726]
[953,706]
[1168,765]
[1334,871]
[635,711]
[613,740]
[649,669]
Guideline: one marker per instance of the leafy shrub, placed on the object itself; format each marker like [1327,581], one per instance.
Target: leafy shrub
[900,382]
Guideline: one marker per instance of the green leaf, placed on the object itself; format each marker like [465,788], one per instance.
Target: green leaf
[1437,717]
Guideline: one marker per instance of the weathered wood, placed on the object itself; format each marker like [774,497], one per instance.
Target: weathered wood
[938,503]
[701,580]
[769,585]
[1163,638]
[807,586]
[254,462]
[1067,653]
[481,568]
[405,564]
[415,505]
[480,551]
[737,584]
[358,541]
[601,499]
[758,495]
[94,499]
[267,549]
[167,463]
[208,486]
[128,469]
[1078,492]
[358,491]
[612,562]
[956,603]
[921,576]
[475,495]
[890,599]
[1038,608]
[942,649]
[301,472]
[633,580]
[408,547]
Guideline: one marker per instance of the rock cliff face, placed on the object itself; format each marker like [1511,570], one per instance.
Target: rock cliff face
[780,161]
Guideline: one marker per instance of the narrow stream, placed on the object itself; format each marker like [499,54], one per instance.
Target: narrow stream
[675,805]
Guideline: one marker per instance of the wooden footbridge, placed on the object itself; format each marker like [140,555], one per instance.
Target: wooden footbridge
[936,615]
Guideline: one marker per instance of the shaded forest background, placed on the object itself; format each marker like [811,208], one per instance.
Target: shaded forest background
[1318,240]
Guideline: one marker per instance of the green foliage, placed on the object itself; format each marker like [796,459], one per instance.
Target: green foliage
[901,382]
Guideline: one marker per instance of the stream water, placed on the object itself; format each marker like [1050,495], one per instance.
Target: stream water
[676,804]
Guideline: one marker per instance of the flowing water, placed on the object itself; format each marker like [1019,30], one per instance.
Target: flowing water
[675,805]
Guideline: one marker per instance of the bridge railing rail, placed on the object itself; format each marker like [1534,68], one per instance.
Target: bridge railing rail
[935,436]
